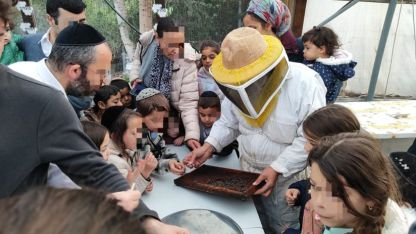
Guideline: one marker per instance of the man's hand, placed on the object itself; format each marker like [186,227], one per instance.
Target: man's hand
[193,144]
[291,196]
[154,226]
[198,156]
[128,200]
[269,175]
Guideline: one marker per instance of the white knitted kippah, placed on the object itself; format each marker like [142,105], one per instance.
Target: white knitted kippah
[146,93]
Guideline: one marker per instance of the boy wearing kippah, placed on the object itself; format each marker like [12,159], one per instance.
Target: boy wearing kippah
[154,107]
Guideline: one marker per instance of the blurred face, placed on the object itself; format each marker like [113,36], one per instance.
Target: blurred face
[173,127]
[132,133]
[114,100]
[154,121]
[92,78]
[65,17]
[104,147]
[312,52]
[250,21]
[7,35]
[208,55]
[99,70]
[330,209]
[126,97]
[3,35]
[208,116]
[310,143]
[171,44]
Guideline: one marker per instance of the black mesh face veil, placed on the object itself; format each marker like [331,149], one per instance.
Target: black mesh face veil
[253,97]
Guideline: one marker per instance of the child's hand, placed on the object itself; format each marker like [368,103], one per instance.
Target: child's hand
[179,141]
[193,144]
[291,196]
[147,165]
[176,167]
[149,187]
[131,176]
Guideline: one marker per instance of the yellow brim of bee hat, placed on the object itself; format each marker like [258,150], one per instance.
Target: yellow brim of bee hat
[245,53]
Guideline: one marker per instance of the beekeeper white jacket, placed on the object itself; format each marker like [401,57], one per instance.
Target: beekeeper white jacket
[280,142]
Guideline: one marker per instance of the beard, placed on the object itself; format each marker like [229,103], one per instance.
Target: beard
[80,87]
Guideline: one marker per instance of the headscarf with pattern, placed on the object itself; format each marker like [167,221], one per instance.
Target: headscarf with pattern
[274,12]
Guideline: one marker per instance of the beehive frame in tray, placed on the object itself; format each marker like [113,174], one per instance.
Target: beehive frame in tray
[220,181]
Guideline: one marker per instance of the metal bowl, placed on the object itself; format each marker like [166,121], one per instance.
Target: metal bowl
[202,221]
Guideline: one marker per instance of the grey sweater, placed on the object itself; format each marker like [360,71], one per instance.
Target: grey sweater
[38,127]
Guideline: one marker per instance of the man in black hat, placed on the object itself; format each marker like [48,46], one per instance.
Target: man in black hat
[39,126]
[79,62]
[59,14]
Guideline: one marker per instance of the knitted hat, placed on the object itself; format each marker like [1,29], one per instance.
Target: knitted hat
[110,116]
[274,12]
[146,93]
[77,34]
[405,164]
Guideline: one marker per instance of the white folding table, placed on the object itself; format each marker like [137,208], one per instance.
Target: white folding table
[167,198]
[392,122]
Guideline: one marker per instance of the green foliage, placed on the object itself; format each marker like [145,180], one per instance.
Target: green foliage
[39,7]
[103,18]
[203,19]
[207,19]
[99,15]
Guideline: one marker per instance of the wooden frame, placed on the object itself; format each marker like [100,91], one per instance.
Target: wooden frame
[297,9]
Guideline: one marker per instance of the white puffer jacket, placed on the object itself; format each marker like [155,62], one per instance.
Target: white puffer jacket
[124,167]
[184,94]
[280,142]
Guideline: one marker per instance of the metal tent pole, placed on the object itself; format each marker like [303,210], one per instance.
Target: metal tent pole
[380,50]
[339,12]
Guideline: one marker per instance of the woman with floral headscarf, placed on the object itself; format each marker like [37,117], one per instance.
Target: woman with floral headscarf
[272,17]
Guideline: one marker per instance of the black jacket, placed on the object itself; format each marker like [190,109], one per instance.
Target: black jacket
[38,127]
[303,186]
